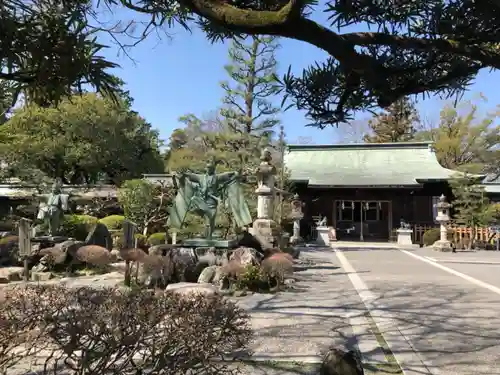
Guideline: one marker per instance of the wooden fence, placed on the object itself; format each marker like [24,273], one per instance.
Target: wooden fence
[459,233]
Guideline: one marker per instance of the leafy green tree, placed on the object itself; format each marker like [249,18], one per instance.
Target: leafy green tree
[466,140]
[395,124]
[83,140]
[471,206]
[252,86]
[145,204]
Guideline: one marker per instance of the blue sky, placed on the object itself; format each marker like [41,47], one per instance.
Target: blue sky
[174,76]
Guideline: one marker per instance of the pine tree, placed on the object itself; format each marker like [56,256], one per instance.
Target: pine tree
[396,124]
[471,206]
[252,72]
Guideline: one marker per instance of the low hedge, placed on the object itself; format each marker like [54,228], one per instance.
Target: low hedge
[157,239]
[77,226]
[113,222]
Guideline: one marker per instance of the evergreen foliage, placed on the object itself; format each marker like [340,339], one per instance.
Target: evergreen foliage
[396,124]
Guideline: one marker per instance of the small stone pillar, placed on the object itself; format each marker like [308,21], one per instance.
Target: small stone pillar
[264,227]
[296,216]
[404,236]
[174,237]
[443,218]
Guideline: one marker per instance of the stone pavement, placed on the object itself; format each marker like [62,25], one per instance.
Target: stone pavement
[323,310]
[452,323]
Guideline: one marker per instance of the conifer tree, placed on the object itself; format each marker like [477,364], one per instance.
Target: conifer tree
[471,206]
[395,124]
[252,72]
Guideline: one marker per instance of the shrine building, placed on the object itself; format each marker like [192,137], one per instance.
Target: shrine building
[366,190]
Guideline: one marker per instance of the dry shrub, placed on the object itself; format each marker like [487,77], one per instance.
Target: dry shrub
[23,314]
[133,255]
[271,251]
[108,331]
[157,270]
[94,255]
[282,255]
[276,269]
[233,269]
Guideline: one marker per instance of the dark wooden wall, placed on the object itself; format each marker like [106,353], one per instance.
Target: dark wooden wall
[414,205]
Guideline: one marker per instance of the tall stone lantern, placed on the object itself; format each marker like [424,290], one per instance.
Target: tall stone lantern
[443,218]
[264,228]
[296,216]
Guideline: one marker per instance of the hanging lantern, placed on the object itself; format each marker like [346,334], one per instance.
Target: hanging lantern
[367,206]
[343,206]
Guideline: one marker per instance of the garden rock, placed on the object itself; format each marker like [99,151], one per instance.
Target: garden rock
[187,289]
[341,362]
[9,274]
[41,276]
[70,247]
[9,250]
[161,249]
[115,254]
[207,275]
[209,258]
[52,256]
[99,235]
[245,256]
[185,267]
[220,279]
[155,270]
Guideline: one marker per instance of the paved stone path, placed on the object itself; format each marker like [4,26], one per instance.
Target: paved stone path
[453,323]
[325,310]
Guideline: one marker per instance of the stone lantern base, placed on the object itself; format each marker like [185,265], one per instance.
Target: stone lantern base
[267,232]
[441,245]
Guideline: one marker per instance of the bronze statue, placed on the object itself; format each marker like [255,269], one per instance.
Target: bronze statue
[201,194]
[51,212]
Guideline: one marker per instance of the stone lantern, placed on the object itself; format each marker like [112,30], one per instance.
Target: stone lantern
[264,227]
[296,216]
[443,218]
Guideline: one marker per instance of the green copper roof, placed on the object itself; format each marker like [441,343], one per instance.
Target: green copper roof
[374,164]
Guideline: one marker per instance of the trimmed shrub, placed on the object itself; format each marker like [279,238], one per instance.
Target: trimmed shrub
[157,239]
[94,255]
[133,255]
[170,332]
[118,240]
[282,255]
[276,269]
[432,235]
[113,222]
[77,226]
[250,278]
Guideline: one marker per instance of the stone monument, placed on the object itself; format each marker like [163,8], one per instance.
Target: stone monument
[264,228]
[404,234]
[296,217]
[443,218]
[202,194]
